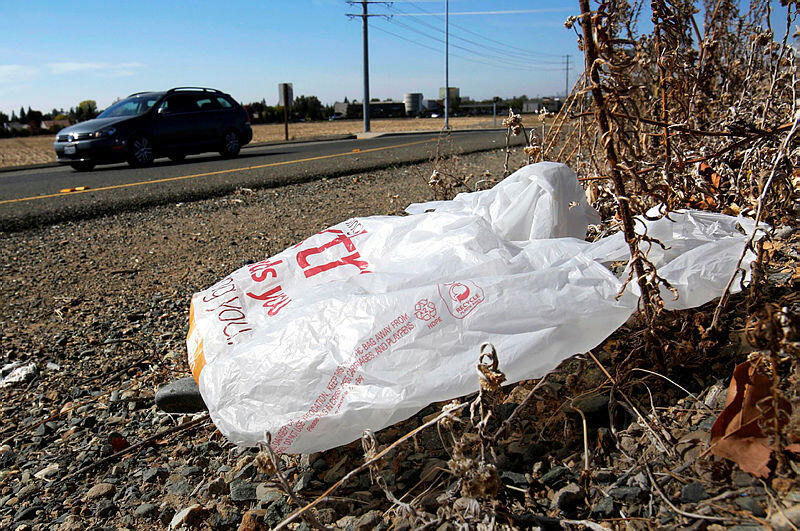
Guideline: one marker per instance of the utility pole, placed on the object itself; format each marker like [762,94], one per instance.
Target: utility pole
[566,81]
[364,15]
[447,65]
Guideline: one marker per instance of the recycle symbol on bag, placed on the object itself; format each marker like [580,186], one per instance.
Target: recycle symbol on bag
[425,310]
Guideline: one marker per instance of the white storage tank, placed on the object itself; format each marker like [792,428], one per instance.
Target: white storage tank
[413,103]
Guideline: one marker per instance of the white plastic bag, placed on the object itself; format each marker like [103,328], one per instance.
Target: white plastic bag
[367,322]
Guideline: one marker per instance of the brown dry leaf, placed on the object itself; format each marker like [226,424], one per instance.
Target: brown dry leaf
[736,434]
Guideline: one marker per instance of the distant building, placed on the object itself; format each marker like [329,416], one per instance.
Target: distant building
[538,104]
[377,109]
[16,126]
[54,124]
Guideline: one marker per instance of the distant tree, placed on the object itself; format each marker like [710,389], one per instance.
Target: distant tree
[86,110]
[34,119]
[13,116]
[375,99]
[22,115]
[345,100]
[308,108]
[3,117]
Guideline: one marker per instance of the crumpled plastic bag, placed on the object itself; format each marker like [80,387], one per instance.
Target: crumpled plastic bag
[368,321]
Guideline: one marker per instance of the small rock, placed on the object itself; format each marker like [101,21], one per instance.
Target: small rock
[742,479]
[626,494]
[556,476]
[693,492]
[591,404]
[788,520]
[101,490]
[218,487]
[181,487]
[568,498]
[783,233]
[152,475]
[180,396]
[266,494]
[243,491]
[369,521]
[277,512]
[72,523]
[303,481]
[751,504]
[514,478]
[253,520]
[146,510]
[105,508]
[26,513]
[345,522]
[188,516]
[604,507]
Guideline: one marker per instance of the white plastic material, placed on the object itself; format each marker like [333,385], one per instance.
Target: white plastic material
[367,322]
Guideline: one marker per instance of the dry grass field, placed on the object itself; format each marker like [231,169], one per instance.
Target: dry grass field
[39,149]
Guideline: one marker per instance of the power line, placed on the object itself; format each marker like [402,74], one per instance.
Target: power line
[479,35]
[471,59]
[503,59]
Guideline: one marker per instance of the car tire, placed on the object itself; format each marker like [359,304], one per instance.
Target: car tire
[231,144]
[177,157]
[140,151]
[82,165]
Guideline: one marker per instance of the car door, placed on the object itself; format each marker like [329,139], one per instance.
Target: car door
[209,126]
[175,127]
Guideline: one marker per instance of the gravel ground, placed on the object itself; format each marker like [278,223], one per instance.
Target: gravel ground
[101,308]
[93,320]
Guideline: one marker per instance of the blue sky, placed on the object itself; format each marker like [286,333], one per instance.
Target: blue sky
[55,54]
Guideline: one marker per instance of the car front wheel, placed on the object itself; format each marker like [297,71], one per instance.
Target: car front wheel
[230,144]
[140,151]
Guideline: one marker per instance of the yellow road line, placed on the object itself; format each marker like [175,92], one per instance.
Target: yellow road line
[232,170]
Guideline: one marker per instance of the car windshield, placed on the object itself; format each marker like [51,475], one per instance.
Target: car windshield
[131,106]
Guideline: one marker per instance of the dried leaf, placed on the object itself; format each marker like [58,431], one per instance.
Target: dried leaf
[736,434]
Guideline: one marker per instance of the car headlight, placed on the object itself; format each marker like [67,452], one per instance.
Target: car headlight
[105,132]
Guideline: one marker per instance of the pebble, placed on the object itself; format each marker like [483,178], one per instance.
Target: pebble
[152,475]
[180,396]
[101,490]
[693,492]
[788,520]
[243,491]
[568,498]
[188,516]
[368,521]
[750,504]
[217,487]
[626,495]
[105,508]
[604,507]
[556,476]
[146,510]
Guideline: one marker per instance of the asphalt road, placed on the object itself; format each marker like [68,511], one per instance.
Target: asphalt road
[48,195]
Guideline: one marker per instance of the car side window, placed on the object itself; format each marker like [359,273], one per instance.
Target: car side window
[205,103]
[225,104]
[178,103]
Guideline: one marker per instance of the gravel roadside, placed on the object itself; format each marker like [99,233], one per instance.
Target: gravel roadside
[99,307]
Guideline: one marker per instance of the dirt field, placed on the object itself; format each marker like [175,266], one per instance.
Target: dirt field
[39,149]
